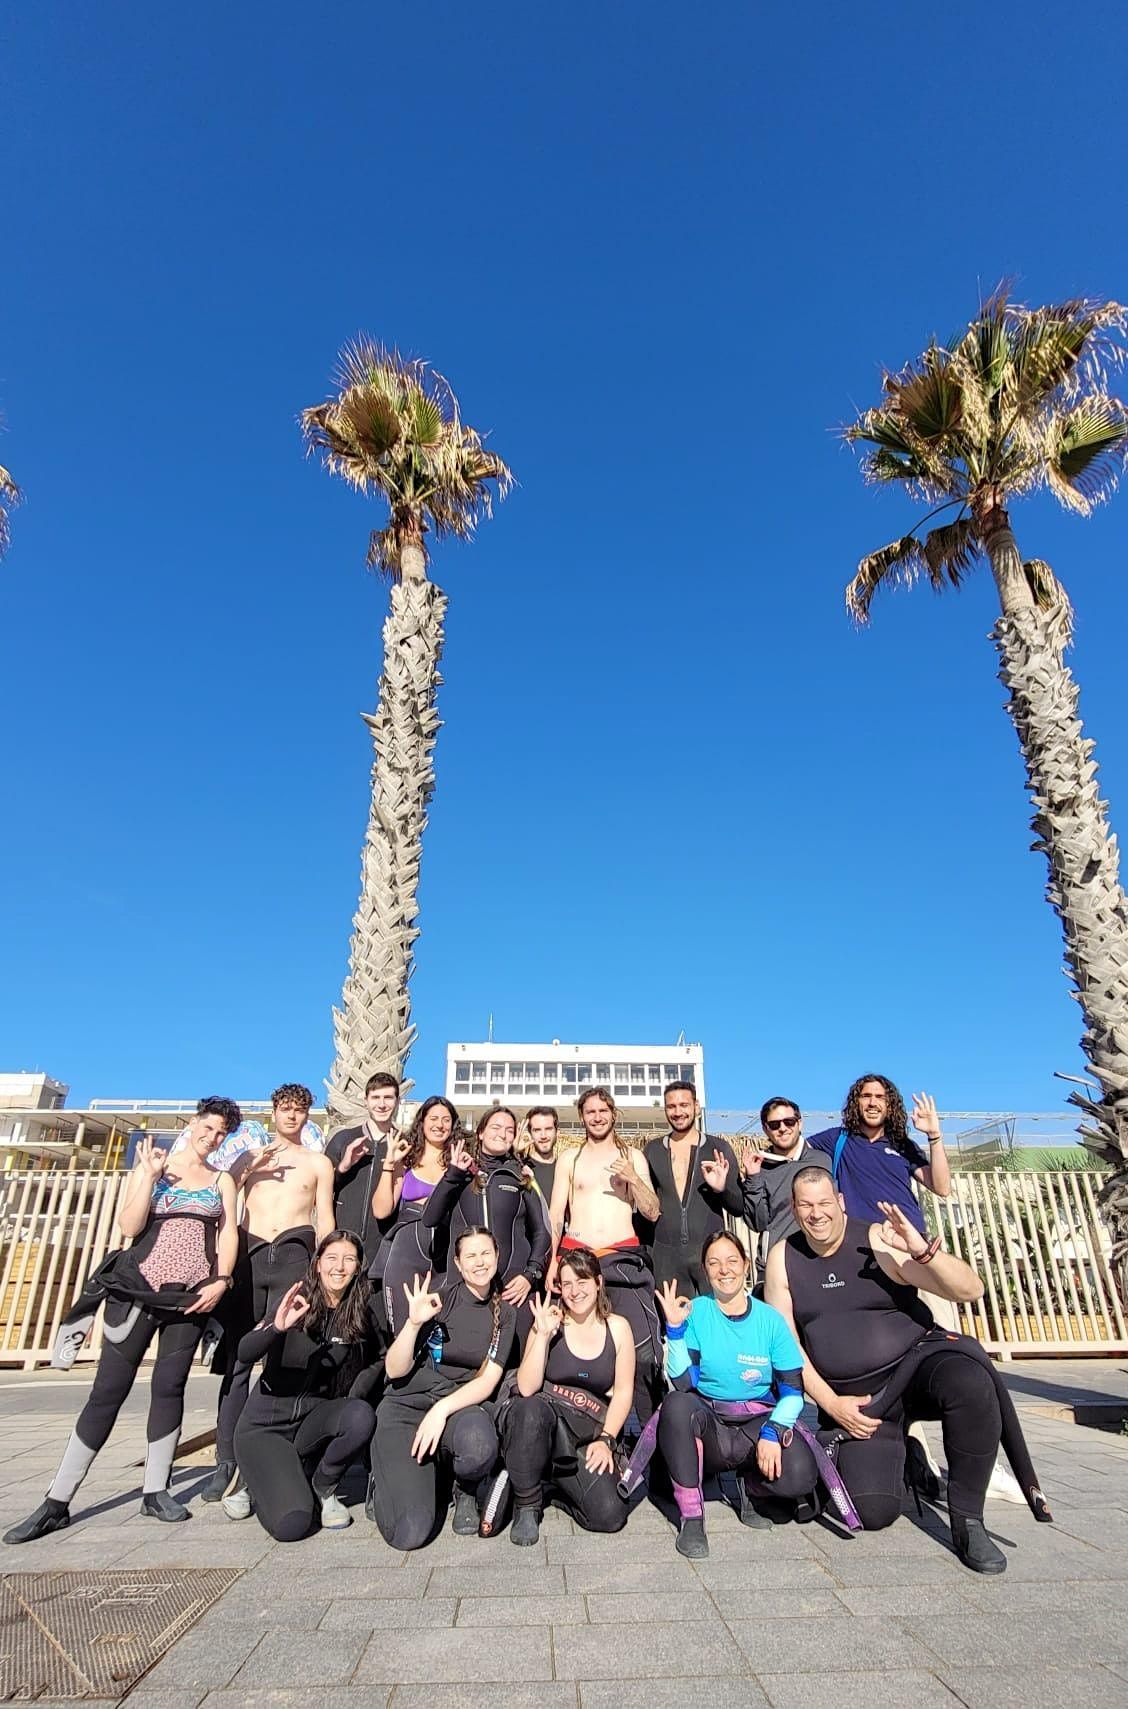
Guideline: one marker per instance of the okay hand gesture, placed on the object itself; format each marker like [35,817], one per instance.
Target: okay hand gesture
[715,1171]
[151,1159]
[422,1304]
[675,1306]
[291,1308]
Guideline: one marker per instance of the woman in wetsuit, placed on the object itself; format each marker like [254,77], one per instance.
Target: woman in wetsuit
[181,1217]
[323,1353]
[575,1385]
[738,1376]
[442,1370]
[414,1165]
[492,1189]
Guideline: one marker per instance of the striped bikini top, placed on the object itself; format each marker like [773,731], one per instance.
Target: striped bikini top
[170,1196]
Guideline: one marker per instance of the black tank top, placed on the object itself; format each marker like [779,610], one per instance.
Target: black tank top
[596,1376]
[854,1322]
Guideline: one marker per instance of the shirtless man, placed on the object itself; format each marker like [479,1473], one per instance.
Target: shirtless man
[596,1194]
[286,1190]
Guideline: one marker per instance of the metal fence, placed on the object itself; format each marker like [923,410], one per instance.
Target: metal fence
[1034,1236]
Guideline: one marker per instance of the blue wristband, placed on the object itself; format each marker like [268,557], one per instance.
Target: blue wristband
[677,1334]
[769,1433]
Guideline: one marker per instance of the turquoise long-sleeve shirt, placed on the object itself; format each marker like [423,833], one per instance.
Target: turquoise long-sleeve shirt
[738,1358]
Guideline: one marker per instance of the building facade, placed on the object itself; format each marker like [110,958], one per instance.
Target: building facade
[484,1073]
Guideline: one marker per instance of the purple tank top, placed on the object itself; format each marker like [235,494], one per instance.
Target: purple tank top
[415,1188]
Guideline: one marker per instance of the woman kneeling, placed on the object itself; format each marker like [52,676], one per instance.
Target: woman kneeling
[738,1376]
[442,1369]
[574,1391]
[322,1351]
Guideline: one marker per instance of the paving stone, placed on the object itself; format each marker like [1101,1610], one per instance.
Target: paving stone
[168,1697]
[1033,1688]
[299,1697]
[775,1602]
[257,1605]
[339,1584]
[505,1654]
[1015,1639]
[489,1611]
[733,1693]
[654,1650]
[667,1574]
[282,1658]
[829,1645]
[948,1598]
[373,1614]
[613,1608]
[895,1689]
[205,1659]
[507,1579]
[743,1577]
[532,1696]
[865,1566]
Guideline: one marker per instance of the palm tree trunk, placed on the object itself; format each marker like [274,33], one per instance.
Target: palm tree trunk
[1071,828]
[372,1027]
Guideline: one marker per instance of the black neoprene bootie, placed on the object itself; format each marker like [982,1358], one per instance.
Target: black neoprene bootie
[525,1529]
[158,1504]
[370,1498]
[49,1516]
[216,1487]
[692,1541]
[465,1514]
[746,1510]
[919,1475]
[973,1546]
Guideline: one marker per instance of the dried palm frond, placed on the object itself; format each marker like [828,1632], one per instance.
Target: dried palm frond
[11,495]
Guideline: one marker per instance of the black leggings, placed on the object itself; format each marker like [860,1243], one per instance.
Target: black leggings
[405,1492]
[695,1444]
[531,1444]
[128,1330]
[272,1459]
[275,1265]
[959,1392]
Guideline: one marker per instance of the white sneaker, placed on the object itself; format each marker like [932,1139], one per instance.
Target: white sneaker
[1004,1486]
[237,1505]
[335,1516]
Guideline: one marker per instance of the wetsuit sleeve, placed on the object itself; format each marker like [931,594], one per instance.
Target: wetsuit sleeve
[785,1413]
[683,1353]
[506,1330]
[538,1233]
[254,1344]
[756,1202]
[441,1204]
[731,1199]
[336,1146]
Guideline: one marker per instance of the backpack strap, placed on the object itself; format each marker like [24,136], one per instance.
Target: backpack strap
[839,1148]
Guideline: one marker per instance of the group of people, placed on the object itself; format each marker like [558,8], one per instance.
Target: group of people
[499,1322]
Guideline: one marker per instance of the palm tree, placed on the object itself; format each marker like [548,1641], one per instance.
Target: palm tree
[9,495]
[1018,402]
[394,428]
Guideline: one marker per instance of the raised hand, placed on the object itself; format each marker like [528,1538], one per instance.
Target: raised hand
[151,1158]
[398,1149]
[461,1157]
[675,1306]
[898,1232]
[715,1171]
[422,1304]
[547,1317]
[623,1179]
[924,1117]
[751,1161]
[355,1150]
[291,1308]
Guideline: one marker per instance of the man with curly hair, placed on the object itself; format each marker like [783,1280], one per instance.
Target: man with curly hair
[872,1158]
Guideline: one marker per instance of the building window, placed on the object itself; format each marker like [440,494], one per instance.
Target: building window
[462,1074]
[622,1090]
[603,1071]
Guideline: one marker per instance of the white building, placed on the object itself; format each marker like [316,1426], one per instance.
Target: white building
[481,1074]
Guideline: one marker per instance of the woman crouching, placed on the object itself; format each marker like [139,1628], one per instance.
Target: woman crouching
[738,1376]
[442,1370]
[574,1391]
[322,1352]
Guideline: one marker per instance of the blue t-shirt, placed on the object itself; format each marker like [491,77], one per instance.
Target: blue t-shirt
[735,1358]
[871,1170]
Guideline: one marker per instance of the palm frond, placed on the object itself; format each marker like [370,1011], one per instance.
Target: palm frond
[899,562]
[11,495]
[1050,597]
[1089,445]
[950,552]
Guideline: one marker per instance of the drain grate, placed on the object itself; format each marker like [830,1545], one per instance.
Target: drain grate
[93,1634]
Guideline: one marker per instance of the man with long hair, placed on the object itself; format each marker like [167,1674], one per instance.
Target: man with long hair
[872,1158]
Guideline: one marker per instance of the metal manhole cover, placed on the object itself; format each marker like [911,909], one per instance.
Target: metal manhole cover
[93,1634]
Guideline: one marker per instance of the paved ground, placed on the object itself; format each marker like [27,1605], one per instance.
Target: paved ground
[796,1616]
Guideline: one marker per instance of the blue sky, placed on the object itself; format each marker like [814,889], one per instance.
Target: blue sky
[660,255]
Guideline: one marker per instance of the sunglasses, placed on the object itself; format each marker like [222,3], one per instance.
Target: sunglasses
[781,1122]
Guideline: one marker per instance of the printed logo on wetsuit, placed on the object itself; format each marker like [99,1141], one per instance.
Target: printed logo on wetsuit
[508,1187]
[754,1373]
[833,1282]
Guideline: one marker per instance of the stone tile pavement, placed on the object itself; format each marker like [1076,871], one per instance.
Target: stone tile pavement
[792,1617]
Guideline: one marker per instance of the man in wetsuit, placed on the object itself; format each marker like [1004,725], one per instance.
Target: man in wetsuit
[543,1127]
[287,1190]
[696,1179]
[356,1154]
[596,1194]
[874,1360]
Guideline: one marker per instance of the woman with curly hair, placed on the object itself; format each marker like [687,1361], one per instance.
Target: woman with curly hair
[494,1188]
[414,1165]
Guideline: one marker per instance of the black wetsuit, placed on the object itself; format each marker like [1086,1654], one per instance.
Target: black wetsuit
[543,1173]
[353,1189]
[544,1438]
[858,1327]
[500,1199]
[449,1352]
[266,1270]
[315,1398]
[411,1247]
[686,1221]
